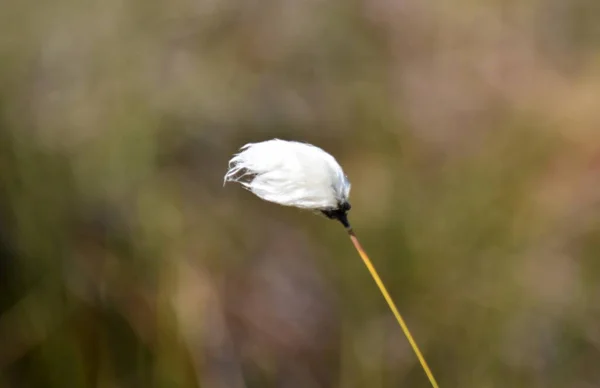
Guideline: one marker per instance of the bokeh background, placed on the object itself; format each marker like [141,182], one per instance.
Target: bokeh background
[470,131]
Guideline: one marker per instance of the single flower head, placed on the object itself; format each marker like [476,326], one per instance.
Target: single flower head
[295,174]
[302,175]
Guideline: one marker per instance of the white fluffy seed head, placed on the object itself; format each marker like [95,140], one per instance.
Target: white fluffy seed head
[290,173]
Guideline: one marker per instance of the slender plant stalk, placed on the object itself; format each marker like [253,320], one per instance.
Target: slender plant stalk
[392,306]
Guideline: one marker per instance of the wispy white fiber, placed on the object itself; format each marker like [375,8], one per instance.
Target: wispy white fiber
[290,173]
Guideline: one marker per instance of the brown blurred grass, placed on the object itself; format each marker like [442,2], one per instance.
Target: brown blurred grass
[470,134]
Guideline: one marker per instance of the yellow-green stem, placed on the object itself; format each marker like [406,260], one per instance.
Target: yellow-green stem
[392,306]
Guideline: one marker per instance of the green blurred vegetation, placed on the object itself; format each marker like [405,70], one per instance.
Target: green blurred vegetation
[470,132]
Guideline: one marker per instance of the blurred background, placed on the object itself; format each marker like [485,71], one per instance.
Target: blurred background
[470,131]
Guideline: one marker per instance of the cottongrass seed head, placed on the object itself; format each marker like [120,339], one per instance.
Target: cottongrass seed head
[301,175]
[291,173]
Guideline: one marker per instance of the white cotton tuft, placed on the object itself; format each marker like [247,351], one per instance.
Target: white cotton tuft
[290,173]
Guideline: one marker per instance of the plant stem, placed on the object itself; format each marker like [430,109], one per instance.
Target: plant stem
[391,304]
